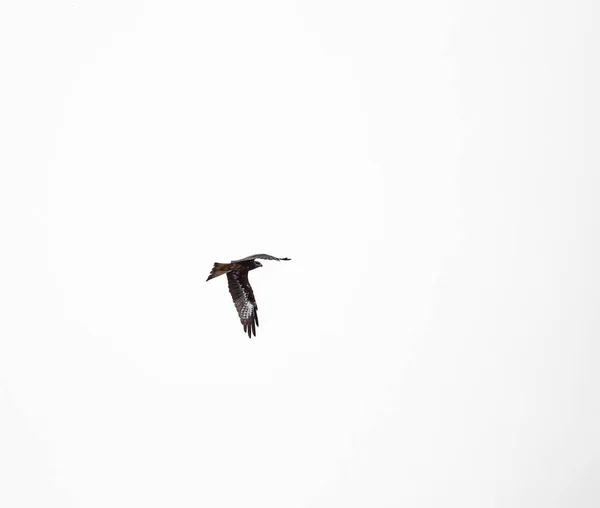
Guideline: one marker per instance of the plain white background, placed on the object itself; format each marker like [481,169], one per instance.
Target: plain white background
[432,170]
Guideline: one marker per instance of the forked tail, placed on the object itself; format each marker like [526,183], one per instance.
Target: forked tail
[219,269]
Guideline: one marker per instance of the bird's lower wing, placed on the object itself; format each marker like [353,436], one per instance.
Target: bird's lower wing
[243,299]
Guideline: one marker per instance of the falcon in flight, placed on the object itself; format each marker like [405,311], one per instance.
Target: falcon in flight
[240,289]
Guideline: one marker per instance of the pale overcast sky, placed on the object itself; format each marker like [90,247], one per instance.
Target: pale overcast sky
[432,169]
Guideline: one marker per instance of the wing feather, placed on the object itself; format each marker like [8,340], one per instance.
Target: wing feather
[243,299]
[261,256]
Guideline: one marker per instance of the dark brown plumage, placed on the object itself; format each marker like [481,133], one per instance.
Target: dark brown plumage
[240,289]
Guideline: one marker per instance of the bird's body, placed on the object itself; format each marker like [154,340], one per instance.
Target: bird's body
[240,289]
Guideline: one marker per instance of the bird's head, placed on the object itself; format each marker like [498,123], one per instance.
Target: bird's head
[257,264]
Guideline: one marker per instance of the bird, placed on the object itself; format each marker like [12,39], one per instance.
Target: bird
[240,289]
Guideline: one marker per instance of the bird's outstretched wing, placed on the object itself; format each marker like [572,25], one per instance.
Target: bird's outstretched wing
[243,299]
[261,256]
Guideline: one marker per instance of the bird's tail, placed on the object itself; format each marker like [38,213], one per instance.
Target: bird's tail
[219,269]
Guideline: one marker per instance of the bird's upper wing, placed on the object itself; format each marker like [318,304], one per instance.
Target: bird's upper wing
[261,256]
[243,298]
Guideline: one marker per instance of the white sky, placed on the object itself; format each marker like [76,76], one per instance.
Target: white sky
[430,167]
